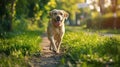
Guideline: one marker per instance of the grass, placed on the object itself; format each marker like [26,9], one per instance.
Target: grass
[17,46]
[22,43]
[11,61]
[90,49]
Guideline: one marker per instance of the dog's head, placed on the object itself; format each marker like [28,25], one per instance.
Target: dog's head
[58,16]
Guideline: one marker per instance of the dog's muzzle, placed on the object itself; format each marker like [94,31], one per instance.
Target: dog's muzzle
[58,18]
[58,21]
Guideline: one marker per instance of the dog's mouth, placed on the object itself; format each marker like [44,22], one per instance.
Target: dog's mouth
[57,23]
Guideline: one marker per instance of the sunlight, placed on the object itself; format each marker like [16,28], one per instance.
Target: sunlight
[107,3]
[91,7]
[93,3]
[88,1]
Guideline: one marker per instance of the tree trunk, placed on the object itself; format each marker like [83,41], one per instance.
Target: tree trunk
[11,16]
[101,5]
[2,14]
[7,12]
[114,6]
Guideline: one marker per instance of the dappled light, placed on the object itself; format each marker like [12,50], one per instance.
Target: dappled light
[91,39]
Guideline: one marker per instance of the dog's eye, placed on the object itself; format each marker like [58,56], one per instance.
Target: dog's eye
[55,13]
[61,14]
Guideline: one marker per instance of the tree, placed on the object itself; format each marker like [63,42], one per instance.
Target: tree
[16,9]
[101,5]
[7,14]
[114,6]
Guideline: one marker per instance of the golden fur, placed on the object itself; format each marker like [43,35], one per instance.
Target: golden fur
[55,29]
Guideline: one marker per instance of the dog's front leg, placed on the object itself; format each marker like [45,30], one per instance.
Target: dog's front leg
[59,43]
[53,43]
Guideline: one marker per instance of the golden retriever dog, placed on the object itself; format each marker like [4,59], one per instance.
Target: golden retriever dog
[56,29]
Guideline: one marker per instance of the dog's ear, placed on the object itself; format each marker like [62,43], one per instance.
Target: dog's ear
[66,15]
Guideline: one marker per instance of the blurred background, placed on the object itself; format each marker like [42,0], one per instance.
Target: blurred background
[92,13]
[95,25]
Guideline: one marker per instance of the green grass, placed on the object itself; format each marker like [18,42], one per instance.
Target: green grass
[11,61]
[90,49]
[19,44]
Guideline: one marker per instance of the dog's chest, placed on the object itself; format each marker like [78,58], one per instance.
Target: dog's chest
[57,31]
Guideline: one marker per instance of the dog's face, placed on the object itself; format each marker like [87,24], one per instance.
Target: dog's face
[58,16]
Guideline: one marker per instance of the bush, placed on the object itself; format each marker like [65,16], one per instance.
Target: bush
[106,21]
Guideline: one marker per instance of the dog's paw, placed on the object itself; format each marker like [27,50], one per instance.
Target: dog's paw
[52,50]
[57,51]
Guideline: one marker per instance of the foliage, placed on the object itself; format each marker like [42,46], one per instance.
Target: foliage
[11,10]
[91,49]
[37,10]
[106,21]
[7,13]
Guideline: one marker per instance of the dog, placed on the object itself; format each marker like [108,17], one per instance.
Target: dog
[56,29]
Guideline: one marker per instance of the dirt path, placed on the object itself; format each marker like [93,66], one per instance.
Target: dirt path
[48,58]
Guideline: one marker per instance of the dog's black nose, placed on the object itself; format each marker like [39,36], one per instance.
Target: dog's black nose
[58,18]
